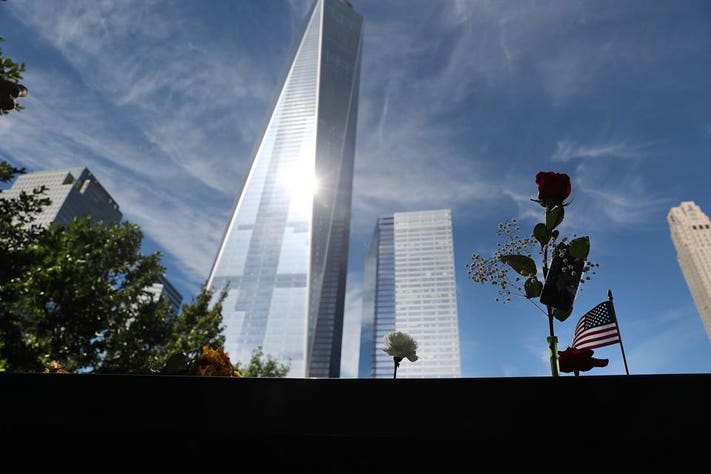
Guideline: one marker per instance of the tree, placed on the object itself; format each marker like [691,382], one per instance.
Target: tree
[10,88]
[199,325]
[80,298]
[263,366]
[17,233]
[85,289]
[76,296]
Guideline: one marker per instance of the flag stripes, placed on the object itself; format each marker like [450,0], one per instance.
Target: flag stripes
[597,328]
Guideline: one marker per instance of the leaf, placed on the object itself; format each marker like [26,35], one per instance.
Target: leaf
[561,315]
[533,288]
[554,217]
[580,247]
[522,264]
[542,234]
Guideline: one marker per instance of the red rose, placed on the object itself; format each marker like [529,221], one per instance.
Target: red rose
[553,187]
[578,360]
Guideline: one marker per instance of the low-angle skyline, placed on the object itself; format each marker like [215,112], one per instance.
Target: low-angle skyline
[461,104]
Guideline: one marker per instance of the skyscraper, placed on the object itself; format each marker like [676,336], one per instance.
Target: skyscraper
[285,250]
[164,288]
[691,234]
[410,286]
[73,191]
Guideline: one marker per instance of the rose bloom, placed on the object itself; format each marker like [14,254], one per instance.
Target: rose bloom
[578,360]
[553,187]
[401,345]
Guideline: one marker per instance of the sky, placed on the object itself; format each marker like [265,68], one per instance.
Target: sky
[462,102]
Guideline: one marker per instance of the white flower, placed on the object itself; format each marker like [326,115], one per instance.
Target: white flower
[400,344]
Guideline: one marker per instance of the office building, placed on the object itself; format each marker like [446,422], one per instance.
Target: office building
[285,249]
[410,287]
[691,233]
[73,191]
[165,289]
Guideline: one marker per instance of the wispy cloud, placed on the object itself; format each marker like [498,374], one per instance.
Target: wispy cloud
[665,349]
[153,107]
[567,150]
[620,196]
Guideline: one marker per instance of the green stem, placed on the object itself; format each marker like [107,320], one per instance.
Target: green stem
[552,340]
[553,345]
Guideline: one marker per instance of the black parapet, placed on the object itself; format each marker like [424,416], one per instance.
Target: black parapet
[358,424]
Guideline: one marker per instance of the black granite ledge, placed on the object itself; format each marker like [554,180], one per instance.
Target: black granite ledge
[357,421]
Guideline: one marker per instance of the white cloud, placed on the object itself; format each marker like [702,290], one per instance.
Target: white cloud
[614,195]
[567,150]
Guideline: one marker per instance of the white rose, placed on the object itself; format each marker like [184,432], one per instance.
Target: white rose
[399,344]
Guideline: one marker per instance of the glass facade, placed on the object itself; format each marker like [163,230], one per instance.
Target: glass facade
[165,289]
[691,234]
[285,251]
[410,286]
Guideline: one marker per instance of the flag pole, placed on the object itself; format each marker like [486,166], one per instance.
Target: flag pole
[614,313]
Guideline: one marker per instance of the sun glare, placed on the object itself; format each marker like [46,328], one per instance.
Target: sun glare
[301,184]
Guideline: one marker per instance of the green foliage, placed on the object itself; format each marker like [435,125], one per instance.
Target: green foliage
[10,75]
[562,315]
[494,270]
[198,325]
[541,233]
[9,69]
[77,294]
[86,285]
[533,287]
[554,216]
[522,264]
[18,233]
[263,366]
[580,247]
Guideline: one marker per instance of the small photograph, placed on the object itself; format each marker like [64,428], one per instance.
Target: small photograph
[561,286]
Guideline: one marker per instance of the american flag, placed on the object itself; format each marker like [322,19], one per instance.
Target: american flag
[597,328]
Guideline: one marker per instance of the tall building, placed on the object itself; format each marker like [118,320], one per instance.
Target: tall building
[691,234]
[164,288]
[73,192]
[285,250]
[410,287]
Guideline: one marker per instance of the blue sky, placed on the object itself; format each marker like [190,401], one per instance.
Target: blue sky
[461,104]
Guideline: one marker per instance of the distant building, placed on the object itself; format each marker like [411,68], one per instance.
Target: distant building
[73,191]
[165,289]
[691,234]
[410,286]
